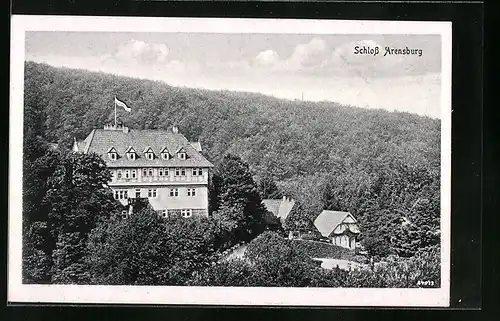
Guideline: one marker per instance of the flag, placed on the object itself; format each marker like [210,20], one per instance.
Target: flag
[122,104]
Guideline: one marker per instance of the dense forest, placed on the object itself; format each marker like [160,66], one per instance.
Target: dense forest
[381,166]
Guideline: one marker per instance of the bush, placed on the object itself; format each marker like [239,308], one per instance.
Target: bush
[322,250]
[421,270]
[235,272]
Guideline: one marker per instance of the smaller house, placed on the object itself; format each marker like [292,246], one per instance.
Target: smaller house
[280,208]
[340,227]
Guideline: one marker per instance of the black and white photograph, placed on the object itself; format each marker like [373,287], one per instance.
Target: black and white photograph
[229,161]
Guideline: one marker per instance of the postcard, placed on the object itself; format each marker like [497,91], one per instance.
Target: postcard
[231,162]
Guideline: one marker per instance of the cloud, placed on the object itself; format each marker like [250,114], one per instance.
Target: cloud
[311,54]
[306,56]
[142,52]
[266,58]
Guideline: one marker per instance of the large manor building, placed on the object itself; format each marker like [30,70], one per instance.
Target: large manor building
[162,166]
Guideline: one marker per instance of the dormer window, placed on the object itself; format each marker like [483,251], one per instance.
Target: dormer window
[165,154]
[149,154]
[112,154]
[131,153]
[181,153]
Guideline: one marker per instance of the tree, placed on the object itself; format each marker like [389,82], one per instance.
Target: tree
[277,263]
[234,272]
[78,198]
[146,249]
[63,201]
[238,195]
[376,246]
[37,259]
[298,220]
[268,188]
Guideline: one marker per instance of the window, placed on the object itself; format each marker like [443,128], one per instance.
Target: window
[138,193]
[164,213]
[127,173]
[152,192]
[125,194]
[119,174]
[174,192]
[183,172]
[134,173]
[160,171]
[191,191]
[116,195]
[165,171]
[182,155]
[165,156]
[149,155]
[112,156]
[197,172]
[186,212]
[150,172]
[144,172]
[124,214]
[177,171]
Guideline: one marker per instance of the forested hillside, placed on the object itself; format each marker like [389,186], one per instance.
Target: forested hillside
[383,167]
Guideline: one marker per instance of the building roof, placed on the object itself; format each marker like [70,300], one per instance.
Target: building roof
[281,208]
[272,206]
[327,221]
[101,140]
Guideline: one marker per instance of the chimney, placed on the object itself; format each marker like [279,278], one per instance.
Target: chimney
[175,129]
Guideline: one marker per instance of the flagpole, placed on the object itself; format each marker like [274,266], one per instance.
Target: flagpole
[115,111]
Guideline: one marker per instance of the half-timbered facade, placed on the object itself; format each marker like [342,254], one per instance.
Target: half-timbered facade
[340,227]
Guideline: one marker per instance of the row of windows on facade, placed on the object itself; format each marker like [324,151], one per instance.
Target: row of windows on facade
[185,212]
[149,154]
[132,173]
[151,193]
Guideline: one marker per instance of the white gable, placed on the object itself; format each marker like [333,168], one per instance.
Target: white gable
[349,219]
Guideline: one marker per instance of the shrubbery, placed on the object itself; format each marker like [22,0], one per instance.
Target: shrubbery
[146,249]
[323,250]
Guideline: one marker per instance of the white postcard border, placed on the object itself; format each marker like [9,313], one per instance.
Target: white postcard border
[18,292]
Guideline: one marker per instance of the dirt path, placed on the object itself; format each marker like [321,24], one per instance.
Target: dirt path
[342,264]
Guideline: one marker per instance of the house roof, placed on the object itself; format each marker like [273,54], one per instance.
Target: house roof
[272,206]
[281,208]
[196,146]
[100,141]
[327,221]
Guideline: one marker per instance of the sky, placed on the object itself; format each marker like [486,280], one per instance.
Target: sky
[292,66]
